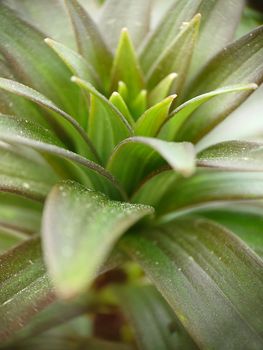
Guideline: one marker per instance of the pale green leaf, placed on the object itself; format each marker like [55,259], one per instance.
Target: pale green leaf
[210,278]
[137,157]
[167,30]
[234,155]
[107,126]
[134,15]
[139,105]
[126,68]
[162,89]
[240,62]
[150,123]
[90,42]
[180,115]
[176,57]
[80,227]
[117,100]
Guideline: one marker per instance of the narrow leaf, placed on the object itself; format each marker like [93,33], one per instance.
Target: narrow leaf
[126,67]
[165,33]
[210,278]
[152,120]
[75,62]
[9,238]
[25,288]
[117,100]
[136,157]
[234,155]
[107,126]
[238,63]
[139,105]
[162,89]
[182,113]
[135,15]
[80,227]
[90,43]
[176,58]
[155,325]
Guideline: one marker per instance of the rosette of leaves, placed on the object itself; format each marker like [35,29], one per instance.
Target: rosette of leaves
[100,177]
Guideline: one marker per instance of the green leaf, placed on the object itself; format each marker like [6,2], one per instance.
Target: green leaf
[245,224]
[238,63]
[29,66]
[126,67]
[21,175]
[139,105]
[117,100]
[219,22]
[107,126]
[75,62]
[35,96]
[19,214]
[9,238]
[21,132]
[162,89]
[25,289]
[182,113]
[177,195]
[90,42]
[80,227]
[154,323]
[234,155]
[135,15]
[152,120]
[176,57]
[211,186]
[210,278]
[136,157]
[163,35]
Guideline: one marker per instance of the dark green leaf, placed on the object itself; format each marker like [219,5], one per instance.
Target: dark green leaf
[80,227]
[240,62]
[91,44]
[210,278]
[136,157]
[25,289]
[134,15]
[155,325]
[234,155]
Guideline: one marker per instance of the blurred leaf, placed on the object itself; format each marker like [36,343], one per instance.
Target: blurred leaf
[134,15]
[181,114]
[75,62]
[246,225]
[107,126]
[163,35]
[210,278]
[136,157]
[25,289]
[21,132]
[22,46]
[162,89]
[234,155]
[178,195]
[220,19]
[35,96]
[90,42]
[176,57]
[155,325]
[117,100]
[24,176]
[238,63]
[9,238]
[80,227]
[126,67]
[152,120]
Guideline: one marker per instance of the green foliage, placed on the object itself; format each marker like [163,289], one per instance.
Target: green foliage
[115,232]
